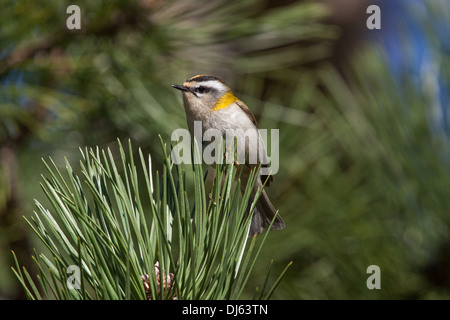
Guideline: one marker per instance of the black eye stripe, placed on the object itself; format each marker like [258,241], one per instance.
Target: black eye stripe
[202,89]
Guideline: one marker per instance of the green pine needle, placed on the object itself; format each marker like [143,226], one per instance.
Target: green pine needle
[118,223]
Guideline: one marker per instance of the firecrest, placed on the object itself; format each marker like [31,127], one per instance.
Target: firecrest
[209,100]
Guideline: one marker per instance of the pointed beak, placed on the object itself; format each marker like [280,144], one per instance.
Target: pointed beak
[182,88]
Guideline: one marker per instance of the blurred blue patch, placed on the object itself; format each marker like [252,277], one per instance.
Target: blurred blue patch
[416,36]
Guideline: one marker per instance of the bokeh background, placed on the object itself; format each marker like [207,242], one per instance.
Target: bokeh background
[363,118]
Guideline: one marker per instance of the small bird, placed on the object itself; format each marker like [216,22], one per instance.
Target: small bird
[209,100]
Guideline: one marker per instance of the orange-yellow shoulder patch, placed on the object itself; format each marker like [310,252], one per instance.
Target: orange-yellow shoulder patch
[224,101]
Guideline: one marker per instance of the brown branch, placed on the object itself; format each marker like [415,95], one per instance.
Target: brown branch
[24,53]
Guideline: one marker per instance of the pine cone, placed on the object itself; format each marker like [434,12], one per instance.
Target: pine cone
[167,285]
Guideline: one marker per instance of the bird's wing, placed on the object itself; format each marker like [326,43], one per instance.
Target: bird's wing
[247,111]
[250,115]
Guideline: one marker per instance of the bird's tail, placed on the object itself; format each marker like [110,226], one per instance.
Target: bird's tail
[263,216]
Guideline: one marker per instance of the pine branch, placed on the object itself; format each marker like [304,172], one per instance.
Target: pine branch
[120,231]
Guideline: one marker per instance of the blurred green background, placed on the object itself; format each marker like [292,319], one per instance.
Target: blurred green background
[363,119]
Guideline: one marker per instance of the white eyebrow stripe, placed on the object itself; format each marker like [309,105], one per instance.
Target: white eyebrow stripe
[219,86]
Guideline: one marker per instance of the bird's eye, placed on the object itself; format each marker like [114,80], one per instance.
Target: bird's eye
[201,90]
